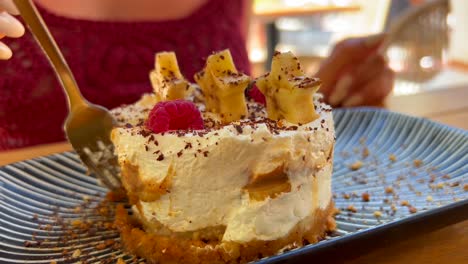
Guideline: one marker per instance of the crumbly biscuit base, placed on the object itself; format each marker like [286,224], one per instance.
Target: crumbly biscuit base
[173,249]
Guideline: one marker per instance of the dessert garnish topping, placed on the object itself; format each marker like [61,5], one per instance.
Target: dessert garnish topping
[174,115]
[166,79]
[289,93]
[223,87]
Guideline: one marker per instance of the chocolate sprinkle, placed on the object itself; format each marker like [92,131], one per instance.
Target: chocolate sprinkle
[145,133]
[161,157]
[238,128]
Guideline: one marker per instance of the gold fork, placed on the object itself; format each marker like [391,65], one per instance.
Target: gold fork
[87,126]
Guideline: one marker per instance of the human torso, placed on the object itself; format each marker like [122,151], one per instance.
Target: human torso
[122,10]
[110,60]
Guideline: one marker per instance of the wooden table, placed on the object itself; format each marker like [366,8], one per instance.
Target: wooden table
[445,246]
[274,11]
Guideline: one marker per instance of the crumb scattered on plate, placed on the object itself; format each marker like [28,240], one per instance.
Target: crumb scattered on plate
[404,203]
[417,163]
[377,214]
[365,197]
[356,165]
[389,189]
[351,208]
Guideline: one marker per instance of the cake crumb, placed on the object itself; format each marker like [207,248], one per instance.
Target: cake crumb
[429,198]
[161,157]
[53,262]
[465,187]
[76,253]
[417,163]
[346,196]
[392,158]
[28,243]
[120,261]
[393,207]
[440,185]
[365,197]
[351,208]
[35,217]
[377,214]
[365,152]
[356,165]
[100,246]
[389,189]
[412,209]
[404,203]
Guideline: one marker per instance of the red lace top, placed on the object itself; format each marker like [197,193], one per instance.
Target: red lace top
[110,60]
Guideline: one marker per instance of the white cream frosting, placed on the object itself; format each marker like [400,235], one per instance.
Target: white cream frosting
[207,189]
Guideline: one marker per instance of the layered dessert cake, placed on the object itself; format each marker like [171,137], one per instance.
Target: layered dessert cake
[213,176]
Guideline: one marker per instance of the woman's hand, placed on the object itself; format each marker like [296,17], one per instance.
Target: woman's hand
[9,26]
[356,73]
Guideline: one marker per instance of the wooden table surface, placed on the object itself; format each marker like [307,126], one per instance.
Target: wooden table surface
[274,11]
[445,246]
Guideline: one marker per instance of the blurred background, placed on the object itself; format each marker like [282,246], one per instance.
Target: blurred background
[426,46]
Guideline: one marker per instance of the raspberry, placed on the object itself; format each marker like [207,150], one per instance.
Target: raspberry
[256,95]
[174,115]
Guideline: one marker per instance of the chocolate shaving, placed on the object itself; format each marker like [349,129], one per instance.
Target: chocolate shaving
[161,157]
[238,128]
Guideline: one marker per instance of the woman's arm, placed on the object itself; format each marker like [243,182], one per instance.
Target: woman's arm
[356,73]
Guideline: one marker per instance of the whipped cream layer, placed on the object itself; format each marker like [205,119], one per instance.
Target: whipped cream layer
[184,182]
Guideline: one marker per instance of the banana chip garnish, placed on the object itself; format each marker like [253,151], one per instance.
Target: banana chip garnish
[288,92]
[223,87]
[166,79]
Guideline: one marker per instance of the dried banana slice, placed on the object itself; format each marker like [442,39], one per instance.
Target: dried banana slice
[166,79]
[223,87]
[288,92]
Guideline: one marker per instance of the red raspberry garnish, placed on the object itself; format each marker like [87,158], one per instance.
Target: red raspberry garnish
[256,95]
[174,115]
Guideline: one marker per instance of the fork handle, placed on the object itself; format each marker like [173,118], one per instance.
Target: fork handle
[39,29]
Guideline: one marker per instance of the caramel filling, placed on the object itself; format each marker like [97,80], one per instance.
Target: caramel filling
[146,191]
[271,184]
